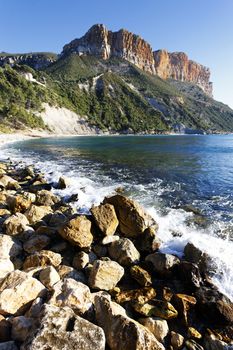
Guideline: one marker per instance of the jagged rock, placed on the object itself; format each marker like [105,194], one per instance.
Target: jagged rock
[35,308]
[21,327]
[60,328]
[69,272]
[177,340]
[163,263]
[36,243]
[121,331]
[198,257]
[63,183]
[42,258]
[105,274]
[214,306]
[193,333]
[133,220]
[6,266]
[19,203]
[190,275]
[141,295]
[105,218]
[5,329]
[141,276]
[15,224]
[73,294]
[78,232]
[81,260]
[148,242]
[157,308]
[183,303]
[192,345]
[9,247]
[46,198]
[17,290]
[124,252]
[7,182]
[156,326]
[9,345]
[36,213]
[49,277]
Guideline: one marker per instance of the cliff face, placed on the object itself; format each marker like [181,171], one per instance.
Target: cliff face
[177,66]
[34,60]
[99,41]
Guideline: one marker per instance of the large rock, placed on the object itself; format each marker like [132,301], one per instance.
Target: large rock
[16,224]
[6,266]
[163,263]
[61,329]
[73,294]
[49,276]
[158,308]
[17,290]
[183,303]
[46,198]
[141,276]
[141,295]
[195,255]
[19,203]
[157,326]
[42,258]
[105,274]
[8,182]
[105,218]
[37,213]
[121,331]
[177,340]
[9,247]
[124,252]
[78,232]
[36,243]
[133,220]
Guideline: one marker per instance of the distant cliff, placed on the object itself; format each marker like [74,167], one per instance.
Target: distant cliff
[36,60]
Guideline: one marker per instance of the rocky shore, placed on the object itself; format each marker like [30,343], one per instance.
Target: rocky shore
[98,281]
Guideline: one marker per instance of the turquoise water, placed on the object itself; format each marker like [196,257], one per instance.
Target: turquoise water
[164,173]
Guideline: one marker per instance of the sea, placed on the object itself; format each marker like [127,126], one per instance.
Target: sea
[184,181]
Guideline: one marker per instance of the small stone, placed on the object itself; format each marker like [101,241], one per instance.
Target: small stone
[17,290]
[80,260]
[36,243]
[177,340]
[140,275]
[105,218]
[42,258]
[124,252]
[163,263]
[193,333]
[105,275]
[156,326]
[15,224]
[110,239]
[49,277]
[37,213]
[157,308]
[21,327]
[78,232]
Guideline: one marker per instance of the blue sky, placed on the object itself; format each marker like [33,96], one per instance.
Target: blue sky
[201,28]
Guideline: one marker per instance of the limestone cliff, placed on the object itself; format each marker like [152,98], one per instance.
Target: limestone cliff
[177,66]
[34,60]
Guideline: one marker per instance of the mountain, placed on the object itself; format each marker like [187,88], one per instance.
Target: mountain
[116,83]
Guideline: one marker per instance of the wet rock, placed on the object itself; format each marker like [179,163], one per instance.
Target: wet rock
[141,295]
[60,328]
[105,218]
[163,264]
[46,198]
[190,275]
[37,213]
[105,274]
[156,326]
[216,308]
[63,183]
[124,252]
[200,258]
[36,243]
[78,232]
[133,220]
[141,276]
[5,329]
[157,308]
[177,340]
[42,258]
[15,224]
[183,303]
[121,331]
[21,327]
[17,290]
[149,242]
[49,277]
[73,294]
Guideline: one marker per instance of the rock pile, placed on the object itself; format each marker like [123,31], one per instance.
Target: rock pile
[98,281]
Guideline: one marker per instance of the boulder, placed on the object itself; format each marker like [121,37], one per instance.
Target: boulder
[141,295]
[189,273]
[49,277]
[42,258]
[69,272]
[46,198]
[9,247]
[163,264]
[149,242]
[21,327]
[59,328]
[73,294]
[195,255]
[124,252]
[156,326]
[158,308]
[19,203]
[63,183]
[78,232]
[121,331]
[133,220]
[141,276]
[105,274]
[37,213]
[193,333]
[6,266]
[183,303]
[105,218]
[15,224]
[8,182]
[177,340]
[17,291]
[57,219]
[36,243]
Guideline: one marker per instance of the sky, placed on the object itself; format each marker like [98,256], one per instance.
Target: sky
[201,28]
